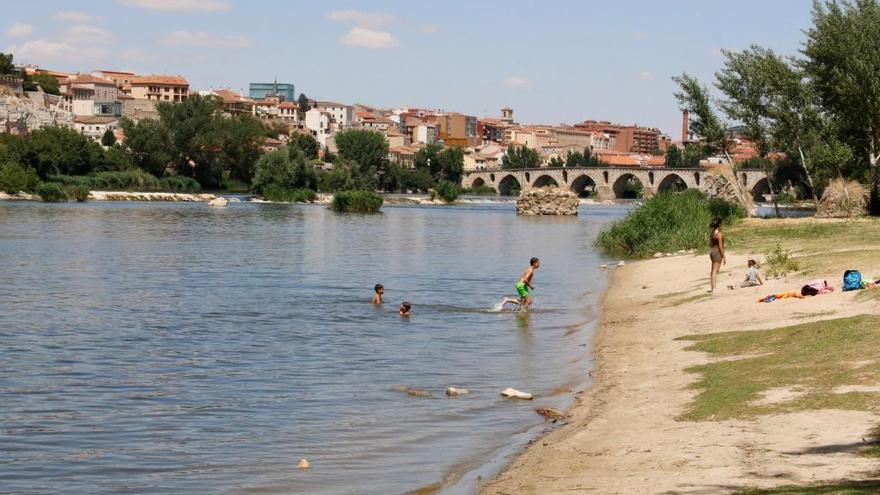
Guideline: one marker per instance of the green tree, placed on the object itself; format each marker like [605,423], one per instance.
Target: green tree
[6,65]
[14,178]
[149,144]
[48,83]
[241,137]
[367,153]
[303,105]
[693,154]
[674,158]
[556,162]
[450,165]
[702,118]
[285,168]
[426,159]
[307,143]
[842,61]
[520,157]
[59,150]
[108,139]
[194,128]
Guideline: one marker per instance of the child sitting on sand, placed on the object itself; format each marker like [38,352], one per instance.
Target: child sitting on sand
[753,278]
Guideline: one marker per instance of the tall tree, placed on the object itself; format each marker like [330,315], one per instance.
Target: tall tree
[305,142]
[673,157]
[303,105]
[703,121]
[843,62]
[108,139]
[366,152]
[6,65]
[520,157]
[149,145]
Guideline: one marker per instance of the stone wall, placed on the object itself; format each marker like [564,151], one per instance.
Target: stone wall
[547,201]
[35,110]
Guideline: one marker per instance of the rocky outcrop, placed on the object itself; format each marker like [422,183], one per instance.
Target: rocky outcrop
[547,201]
[839,200]
[34,110]
[720,183]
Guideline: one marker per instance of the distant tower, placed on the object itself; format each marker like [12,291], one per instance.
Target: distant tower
[507,115]
[684,126]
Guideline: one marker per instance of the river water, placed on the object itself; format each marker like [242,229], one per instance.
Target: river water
[176,348]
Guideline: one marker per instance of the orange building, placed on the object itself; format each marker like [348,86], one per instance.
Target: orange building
[160,88]
[628,139]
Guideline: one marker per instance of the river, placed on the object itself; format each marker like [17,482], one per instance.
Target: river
[178,348]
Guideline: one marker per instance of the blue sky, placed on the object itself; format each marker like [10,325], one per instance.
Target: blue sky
[552,61]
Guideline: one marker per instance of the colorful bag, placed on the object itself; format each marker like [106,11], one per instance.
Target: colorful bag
[852,280]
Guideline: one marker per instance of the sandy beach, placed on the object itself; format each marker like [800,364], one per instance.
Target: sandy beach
[625,434]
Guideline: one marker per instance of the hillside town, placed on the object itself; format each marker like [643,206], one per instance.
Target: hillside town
[94,102]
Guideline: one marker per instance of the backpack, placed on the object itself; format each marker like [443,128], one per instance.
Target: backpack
[852,280]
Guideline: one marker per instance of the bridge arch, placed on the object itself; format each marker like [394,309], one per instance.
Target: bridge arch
[478,182]
[760,189]
[584,186]
[628,186]
[672,183]
[544,181]
[508,185]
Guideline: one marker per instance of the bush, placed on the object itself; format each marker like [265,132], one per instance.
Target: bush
[79,192]
[481,190]
[665,223]
[129,180]
[51,192]
[14,178]
[447,191]
[274,192]
[356,202]
[177,183]
[236,186]
[780,262]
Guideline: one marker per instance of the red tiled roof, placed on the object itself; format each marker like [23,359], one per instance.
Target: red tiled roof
[159,79]
[89,79]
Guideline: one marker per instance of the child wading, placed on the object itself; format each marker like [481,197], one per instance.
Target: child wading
[524,286]
[377,297]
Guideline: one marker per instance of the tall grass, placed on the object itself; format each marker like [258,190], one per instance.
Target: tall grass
[51,192]
[666,223]
[356,202]
[274,192]
[128,180]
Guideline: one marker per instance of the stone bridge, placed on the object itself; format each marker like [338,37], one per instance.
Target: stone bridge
[609,182]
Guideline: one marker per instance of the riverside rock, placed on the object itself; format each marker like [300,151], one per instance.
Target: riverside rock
[219,202]
[547,201]
[303,463]
[512,393]
[841,200]
[452,391]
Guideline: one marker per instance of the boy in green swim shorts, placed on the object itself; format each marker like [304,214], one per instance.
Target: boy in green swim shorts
[524,286]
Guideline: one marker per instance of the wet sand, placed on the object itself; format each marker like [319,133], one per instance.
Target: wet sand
[623,436]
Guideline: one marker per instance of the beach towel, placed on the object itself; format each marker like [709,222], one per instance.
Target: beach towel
[821,286]
[781,295]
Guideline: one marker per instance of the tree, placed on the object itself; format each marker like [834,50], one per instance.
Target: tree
[303,105]
[450,165]
[285,168]
[241,137]
[520,157]
[149,144]
[703,121]
[367,153]
[426,159]
[843,62]
[59,150]
[108,139]
[556,162]
[48,83]
[6,65]
[673,157]
[307,143]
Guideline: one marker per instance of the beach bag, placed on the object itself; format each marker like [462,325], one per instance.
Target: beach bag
[852,280]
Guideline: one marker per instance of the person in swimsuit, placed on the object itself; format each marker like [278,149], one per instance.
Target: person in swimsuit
[377,296]
[716,252]
[524,286]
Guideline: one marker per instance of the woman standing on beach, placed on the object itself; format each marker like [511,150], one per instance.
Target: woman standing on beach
[716,251]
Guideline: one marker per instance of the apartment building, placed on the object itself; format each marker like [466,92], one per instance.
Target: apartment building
[342,114]
[87,95]
[457,129]
[160,88]
[627,139]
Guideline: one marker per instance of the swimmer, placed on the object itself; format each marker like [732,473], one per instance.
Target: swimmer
[404,308]
[377,297]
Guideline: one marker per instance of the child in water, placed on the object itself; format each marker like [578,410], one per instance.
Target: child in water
[524,286]
[377,297]
[404,308]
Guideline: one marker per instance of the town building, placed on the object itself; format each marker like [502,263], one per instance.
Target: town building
[320,124]
[276,90]
[232,101]
[122,80]
[87,95]
[160,88]
[289,111]
[457,129]
[95,126]
[343,115]
[483,157]
[627,139]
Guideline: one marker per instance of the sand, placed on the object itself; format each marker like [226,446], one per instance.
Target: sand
[623,438]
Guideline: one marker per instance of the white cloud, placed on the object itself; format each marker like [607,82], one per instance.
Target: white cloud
[87,34]
[371,20]
[179,5]
[42,51]
[367,38]
[203,39]
[74,16]
[640,35]
[646,76]
[18,30]
[429,29]
[517,82]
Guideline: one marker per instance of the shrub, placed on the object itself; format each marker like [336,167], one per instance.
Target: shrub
[177,183]
[274,192]
[236,186]
[780,262]
[480,190]
[447,191]
[51,192]
[14,178]
[78,192]
[665,223]
[129,180]
[356,202]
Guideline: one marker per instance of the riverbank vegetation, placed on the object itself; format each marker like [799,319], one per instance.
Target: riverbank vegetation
[668,222]
[812,117]
[356,202]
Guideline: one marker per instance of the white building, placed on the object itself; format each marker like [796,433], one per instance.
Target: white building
[425,134]
[321,124]
[95,126]
[87,95]
[343,115]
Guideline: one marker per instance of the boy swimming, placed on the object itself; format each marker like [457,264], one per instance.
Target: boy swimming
[377,297]
[524,286]
[404,308]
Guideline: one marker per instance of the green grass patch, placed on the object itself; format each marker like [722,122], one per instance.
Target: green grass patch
[666,223]
[816,357]
[839,488]
[356,202]
[274,192]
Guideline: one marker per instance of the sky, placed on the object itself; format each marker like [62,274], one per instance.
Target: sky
[553,61]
